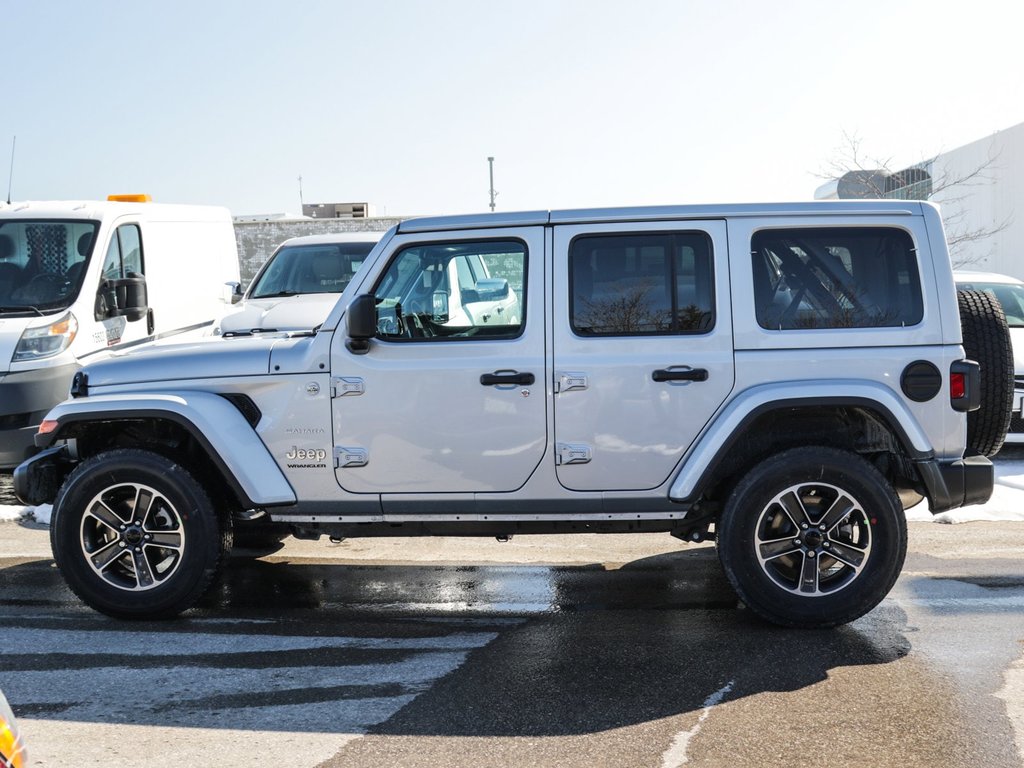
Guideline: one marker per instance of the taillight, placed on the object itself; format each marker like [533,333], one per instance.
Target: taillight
[965,385]
[957,386]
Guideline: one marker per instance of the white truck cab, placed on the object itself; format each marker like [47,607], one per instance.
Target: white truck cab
[83,278]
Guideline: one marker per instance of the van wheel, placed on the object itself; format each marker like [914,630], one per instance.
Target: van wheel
[135,535]
[812,537]
[987,341]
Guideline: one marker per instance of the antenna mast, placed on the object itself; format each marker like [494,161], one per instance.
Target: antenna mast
[10,174]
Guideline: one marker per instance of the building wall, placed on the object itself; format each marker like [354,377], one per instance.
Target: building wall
[994,200]
[258,239]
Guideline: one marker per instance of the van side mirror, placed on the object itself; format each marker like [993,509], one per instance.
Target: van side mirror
[125,297]
[439,310]
[231,293]
[361,322]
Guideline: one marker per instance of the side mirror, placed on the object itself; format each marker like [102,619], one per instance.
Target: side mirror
[361,322]
[492,288]
[439,312]
[231,293]
[126,297]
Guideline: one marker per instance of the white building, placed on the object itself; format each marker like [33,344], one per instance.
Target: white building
[992,201]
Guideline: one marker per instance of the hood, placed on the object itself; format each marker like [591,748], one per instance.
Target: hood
[202,359]
[287,313]
[10,333]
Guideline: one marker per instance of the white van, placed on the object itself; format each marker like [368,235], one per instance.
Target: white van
[78,279]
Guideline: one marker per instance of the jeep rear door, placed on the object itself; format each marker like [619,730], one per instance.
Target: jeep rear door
[447,399]
[642,340]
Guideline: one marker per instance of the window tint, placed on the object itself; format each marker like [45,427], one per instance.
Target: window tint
[835,277]
[314,268]
[650,283]
[459,290]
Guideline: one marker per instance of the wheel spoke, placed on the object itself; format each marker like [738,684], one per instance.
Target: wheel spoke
[105,555]
[844,553]
[143,575]
[105,515]
[777,548]
[143,502]
[839,511]
[809,575]
[793,507]
[166,540]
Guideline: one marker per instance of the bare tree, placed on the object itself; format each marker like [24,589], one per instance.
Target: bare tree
[858,175]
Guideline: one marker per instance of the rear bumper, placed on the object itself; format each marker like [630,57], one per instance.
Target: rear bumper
[955,484]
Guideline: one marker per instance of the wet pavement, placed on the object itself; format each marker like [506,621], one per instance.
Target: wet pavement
[550,650]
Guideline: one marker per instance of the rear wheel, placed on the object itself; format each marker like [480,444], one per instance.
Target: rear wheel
[135,535]
[813,537]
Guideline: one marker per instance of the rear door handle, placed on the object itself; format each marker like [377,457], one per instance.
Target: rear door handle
[507,377]
[680,374]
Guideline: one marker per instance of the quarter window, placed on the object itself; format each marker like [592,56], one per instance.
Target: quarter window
[835,277]
[644,284]
[457,290]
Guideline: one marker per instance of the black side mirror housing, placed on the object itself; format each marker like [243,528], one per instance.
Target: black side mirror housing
[361,322]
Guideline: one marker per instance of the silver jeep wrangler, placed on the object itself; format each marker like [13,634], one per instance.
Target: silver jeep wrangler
[783,378]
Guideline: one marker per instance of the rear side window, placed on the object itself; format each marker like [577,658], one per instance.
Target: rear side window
[641,284]
[835,277]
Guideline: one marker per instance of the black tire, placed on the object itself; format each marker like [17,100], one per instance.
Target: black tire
[784,566]
[151,566]
[987,341]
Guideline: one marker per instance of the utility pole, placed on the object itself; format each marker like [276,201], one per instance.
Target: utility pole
[10,175]
[300,195]
[490,163]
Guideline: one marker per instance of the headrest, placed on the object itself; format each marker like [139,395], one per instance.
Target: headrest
[84,243]
[6,247]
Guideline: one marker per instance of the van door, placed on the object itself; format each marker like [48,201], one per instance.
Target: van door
[642,348]
[444,400]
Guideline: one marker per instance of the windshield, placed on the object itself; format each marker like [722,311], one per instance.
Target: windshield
[42,263]
[1010,295]
[315,268]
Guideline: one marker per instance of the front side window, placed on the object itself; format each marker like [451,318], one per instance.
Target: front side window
[641,284]
[42,263]
[124,254]
[835,277]
[459,290]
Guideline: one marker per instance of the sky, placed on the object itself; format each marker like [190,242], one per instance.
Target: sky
[580,102]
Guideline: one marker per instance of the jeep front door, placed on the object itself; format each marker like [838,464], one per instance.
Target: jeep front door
[642,348]
[445,400]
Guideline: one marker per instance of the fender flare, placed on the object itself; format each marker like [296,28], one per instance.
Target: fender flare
[730,425]
[212,420]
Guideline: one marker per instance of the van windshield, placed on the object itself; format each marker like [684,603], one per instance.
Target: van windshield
[42,263]
[314,268]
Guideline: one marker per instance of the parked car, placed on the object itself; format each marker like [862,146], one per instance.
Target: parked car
[1009,292]
[12,748]
[299,284]
[782,378]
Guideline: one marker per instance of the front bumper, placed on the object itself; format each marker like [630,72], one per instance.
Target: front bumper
[955,484]
[25,398]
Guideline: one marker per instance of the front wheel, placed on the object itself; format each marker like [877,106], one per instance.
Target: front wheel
[135,535]
[812,537]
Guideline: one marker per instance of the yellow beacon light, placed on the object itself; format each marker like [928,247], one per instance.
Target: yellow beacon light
[129,198]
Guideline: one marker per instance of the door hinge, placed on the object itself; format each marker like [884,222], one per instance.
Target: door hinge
[342,386]
[567,382]
[572,453]
[350,457]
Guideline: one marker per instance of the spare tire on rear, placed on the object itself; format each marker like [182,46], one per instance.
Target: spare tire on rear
[987,341]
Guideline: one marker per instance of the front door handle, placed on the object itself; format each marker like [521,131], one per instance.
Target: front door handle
[680,374]
[507,377]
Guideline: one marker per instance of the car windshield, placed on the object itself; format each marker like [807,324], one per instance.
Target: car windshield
[313,268]
[42,263]
[1009,295]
